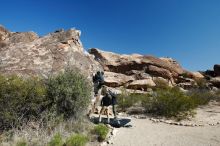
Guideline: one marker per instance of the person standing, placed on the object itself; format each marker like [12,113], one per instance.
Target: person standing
[98,82]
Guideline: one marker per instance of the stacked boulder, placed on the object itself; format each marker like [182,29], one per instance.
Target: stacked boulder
[213,76]
[25,53]
[139,72]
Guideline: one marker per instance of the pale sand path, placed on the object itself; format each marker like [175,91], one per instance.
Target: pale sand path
[144,132]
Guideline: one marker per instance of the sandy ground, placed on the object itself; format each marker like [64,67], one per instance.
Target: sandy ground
[144,132]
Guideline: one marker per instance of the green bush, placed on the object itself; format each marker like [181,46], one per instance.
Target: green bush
[160,84]
[201,96]
[217,95]
[147,102]
[69,93]
[21,143]
[201,84]
[168,102]
[24,99]
[101,131]
[20,100]
[56,140]
[77,140]
[126,100]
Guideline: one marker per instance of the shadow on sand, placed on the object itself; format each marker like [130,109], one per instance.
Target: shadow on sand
[117,123]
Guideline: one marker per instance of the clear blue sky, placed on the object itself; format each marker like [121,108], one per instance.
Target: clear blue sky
[186,30]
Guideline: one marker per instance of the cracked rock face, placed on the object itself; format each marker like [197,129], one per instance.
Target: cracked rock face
[25,53]
[138,66]
[125,63]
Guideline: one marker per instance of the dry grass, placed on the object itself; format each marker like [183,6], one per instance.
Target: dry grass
[34,134]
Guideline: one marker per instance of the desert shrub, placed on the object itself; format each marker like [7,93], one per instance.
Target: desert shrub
[126,100]
[217,95]
[56,140]
[20,100]
[200,96]
[24,99]
[77,140]
[21,142]
[69,93]
[168,102]
[101,131]
[147,102]
[201,83]
[160,84]
[35,108]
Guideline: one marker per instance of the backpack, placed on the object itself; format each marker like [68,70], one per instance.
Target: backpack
[114,97]
[98,78]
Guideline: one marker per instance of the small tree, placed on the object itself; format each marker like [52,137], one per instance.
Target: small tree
[69,93]
[20,100]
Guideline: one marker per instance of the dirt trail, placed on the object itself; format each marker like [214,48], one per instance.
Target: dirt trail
[144,132]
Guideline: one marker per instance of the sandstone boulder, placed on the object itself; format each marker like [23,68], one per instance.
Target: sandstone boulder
[116,79]
[197,75]
[160,72]
[141,84]
[215,81]
[28,54]
[22,37]
[113,62]
[160,80]
[4,33]
[185,80]
[186,85]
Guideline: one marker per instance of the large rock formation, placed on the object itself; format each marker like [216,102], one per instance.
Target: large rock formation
[213,76]
[140,67]
[25,53]
[124,63]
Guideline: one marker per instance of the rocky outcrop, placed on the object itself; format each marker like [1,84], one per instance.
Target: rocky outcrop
[116,79]
[215,81]
[25,53]
[4,33]
[141,84]
[124,63]
[140,67]
[159,72]
[197,75]
[217,69]
[213,76]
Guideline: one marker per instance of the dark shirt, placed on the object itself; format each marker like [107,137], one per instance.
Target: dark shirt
[106,100]
[114,98]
